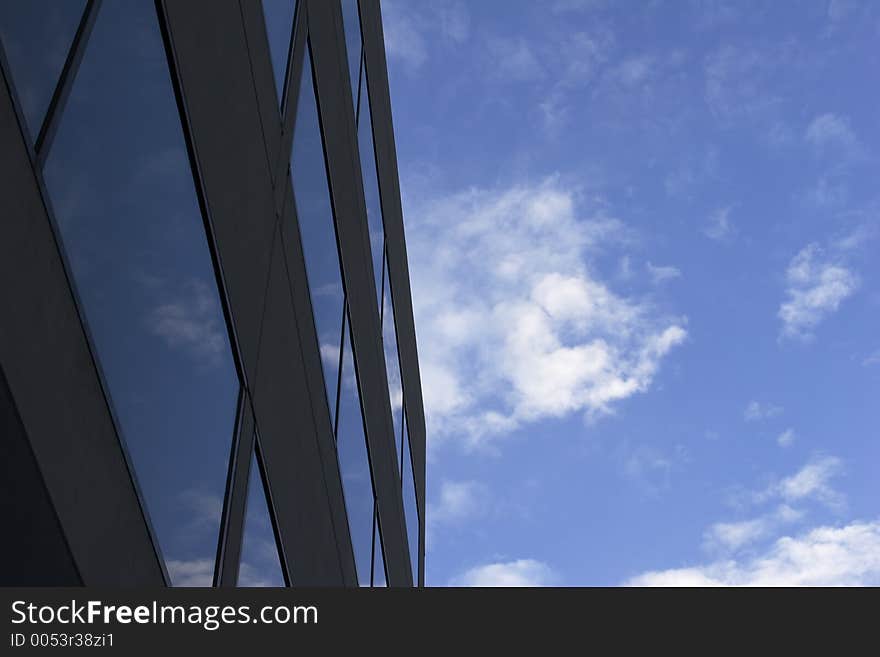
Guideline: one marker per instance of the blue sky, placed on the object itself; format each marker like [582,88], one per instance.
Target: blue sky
[640,240]
[640,237]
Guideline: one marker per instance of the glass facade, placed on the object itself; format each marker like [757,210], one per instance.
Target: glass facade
[315,216]
[392,363]
[158,224]
[378,576]
[260,565]
[371,188]
[36,39]
[352,21]
[410,503]
[354,463]
[122,190]
[279,16]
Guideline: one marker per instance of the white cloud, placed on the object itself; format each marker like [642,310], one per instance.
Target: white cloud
[816,287]
[719,226]
[522,572]
[812,482]
[824,556]
[734,536]
[831,131]
[661,274]
[512,323]
[458,501]
[454,21]
[786,438]
[855,238]
[192,572]
[250,576]
[514,59]
[192,322]
[757,411]
[403,38]
[873,359]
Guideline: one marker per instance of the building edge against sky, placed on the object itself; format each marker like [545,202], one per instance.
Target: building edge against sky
[205,287]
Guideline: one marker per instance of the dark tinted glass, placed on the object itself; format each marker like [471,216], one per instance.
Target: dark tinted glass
[392,364]
[410,507]
[279,29]
[119,179]
[354,465]
[36,36]
[378,575]
[317,230]
[371,190]
[352,24]
[260,564]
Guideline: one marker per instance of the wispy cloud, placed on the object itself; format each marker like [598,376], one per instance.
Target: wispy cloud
[719,227]
[738,81]
[756,411]
[650,467]
[661,274]
[409,29]
[816,287]
[522,572]
[458,501]
[515,325]
[191,320]
[786,438]
[830,131]
[813,481]
[633,71]
[824,556]
[191,572]
[513,59]
[403,38]
[755,552]
[734,536]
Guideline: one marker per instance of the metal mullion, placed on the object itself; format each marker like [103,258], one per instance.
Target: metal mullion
[373,545]
[297,52]
[398,269]
[357,107]
[286,566]
[339,133]
[339,369]
[235,499]
[403,436]
[65,82]
[382,304]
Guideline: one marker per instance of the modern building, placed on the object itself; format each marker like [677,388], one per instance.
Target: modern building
[209,365]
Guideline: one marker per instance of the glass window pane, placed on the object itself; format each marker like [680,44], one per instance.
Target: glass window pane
[279,29]
[352,23]
[378,575]
[392,365]
[317,230]
[354,466]
[410,508]
[260,564]
[119,179]
[371,190]
[36,36]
